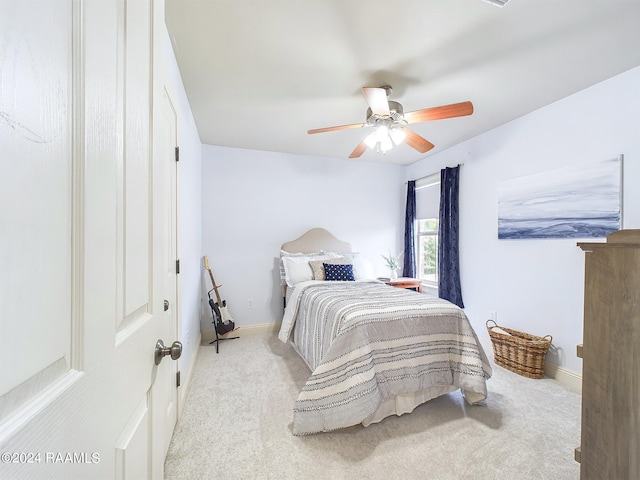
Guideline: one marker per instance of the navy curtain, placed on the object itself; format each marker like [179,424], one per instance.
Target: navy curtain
[409,267]
[448,256]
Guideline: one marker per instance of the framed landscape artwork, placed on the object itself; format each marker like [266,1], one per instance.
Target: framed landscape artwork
[582,201]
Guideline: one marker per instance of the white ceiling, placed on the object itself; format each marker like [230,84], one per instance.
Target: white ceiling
[259,74]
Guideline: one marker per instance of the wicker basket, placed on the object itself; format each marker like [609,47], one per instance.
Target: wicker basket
[519,352]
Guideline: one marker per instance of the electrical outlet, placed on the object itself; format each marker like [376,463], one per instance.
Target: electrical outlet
[250,303]
[494,316]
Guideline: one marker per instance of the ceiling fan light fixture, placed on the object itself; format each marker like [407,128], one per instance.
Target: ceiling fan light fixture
[386,145]
[371,140]
[382,133]
[383,138]
[398,135]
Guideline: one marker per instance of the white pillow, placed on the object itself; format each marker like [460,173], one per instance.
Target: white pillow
[297,269]
[362,268]
[283,253]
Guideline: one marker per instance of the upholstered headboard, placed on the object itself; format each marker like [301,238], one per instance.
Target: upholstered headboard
[316,240]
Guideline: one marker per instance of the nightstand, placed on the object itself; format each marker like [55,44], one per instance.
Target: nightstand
[406,282]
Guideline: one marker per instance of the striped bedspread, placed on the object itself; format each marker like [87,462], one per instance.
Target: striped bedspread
[366,342]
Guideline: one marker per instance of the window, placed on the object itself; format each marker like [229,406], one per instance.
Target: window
[426,231]
[427,251]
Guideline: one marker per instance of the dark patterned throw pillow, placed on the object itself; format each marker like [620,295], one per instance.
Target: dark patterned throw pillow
[334,272]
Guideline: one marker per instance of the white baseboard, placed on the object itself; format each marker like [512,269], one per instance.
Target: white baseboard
[243,331]
[185,383]
[568,378]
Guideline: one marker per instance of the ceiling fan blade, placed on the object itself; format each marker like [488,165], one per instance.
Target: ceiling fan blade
[439,113]
[417,142]
[377,100]
[333,129]
[359,150]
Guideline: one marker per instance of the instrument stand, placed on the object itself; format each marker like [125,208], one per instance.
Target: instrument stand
[218,338]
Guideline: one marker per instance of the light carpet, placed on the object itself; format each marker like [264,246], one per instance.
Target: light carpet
[236,424]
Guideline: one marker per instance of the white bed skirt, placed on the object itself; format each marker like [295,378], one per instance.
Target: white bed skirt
[407,402]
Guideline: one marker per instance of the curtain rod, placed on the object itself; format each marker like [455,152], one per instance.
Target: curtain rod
[427,176]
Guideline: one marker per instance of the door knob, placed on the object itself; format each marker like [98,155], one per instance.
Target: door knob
[166,305]
[175,350]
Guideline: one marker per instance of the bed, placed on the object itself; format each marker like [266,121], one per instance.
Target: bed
[373,350]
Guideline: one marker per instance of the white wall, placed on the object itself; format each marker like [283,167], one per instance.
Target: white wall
[189,212]
[537,285]
[254,201]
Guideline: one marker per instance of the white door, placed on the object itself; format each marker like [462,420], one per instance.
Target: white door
[164,392]
[81,288]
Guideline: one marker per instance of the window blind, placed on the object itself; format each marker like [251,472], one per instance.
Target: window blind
[428,196]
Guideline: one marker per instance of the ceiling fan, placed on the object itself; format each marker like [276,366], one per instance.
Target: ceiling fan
[390,122]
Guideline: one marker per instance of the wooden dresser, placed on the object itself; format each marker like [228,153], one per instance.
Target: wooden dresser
[610,435]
